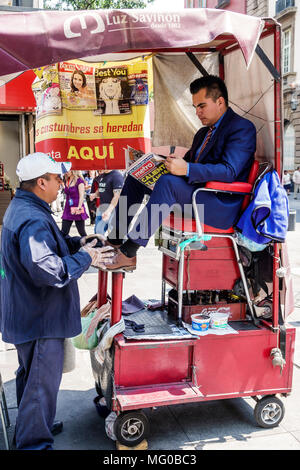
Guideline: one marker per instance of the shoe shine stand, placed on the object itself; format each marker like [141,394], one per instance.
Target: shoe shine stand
[255,358]
[148,373]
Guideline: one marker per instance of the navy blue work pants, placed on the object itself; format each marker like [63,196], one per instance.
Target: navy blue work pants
[37,383]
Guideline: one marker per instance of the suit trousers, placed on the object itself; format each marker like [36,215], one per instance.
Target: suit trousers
[170,194]
[37,384]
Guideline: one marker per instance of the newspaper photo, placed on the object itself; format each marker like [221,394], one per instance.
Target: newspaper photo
[146,168]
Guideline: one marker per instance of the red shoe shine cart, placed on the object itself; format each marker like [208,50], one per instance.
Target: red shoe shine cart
[153,373]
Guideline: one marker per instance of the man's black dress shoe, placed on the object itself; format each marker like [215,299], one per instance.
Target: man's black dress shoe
[57,428]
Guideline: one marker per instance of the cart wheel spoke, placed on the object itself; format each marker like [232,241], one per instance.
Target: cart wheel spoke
[271,413]
[132,429]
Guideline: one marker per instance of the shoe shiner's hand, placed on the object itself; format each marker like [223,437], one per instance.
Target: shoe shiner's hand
[100,240]
[99,255]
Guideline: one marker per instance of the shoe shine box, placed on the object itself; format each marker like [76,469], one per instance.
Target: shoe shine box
[236,310]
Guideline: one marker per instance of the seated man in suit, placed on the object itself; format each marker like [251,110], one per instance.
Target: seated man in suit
[222,150]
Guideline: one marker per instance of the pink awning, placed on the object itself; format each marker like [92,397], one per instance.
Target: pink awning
[33,39]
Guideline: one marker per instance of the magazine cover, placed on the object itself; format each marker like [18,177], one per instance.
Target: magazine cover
[77,86]
[138,83]
[146,168]
[113,91]
[46,91]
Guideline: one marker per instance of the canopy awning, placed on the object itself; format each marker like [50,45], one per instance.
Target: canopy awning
[34,39]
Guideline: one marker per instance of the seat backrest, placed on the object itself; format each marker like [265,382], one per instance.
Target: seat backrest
[251,180]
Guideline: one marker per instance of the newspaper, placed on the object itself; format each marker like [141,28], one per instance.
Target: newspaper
[146,168]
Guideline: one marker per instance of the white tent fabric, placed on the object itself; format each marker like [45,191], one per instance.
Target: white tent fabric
[251,94]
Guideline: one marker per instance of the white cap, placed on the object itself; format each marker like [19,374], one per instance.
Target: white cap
[37,164]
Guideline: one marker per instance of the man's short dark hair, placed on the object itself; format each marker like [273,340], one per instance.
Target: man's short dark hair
[30,184]
[215,87]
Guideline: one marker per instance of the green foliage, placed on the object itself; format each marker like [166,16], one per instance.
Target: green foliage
[96,4]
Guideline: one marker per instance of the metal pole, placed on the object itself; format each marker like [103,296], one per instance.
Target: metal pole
[278,136]
[102,288]
[116,297]
[180,286]
[23,137]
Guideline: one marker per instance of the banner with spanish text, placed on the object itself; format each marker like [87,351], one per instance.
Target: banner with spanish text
[100,110]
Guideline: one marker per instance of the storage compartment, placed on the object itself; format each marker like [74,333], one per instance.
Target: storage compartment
[139,363]
[215,268]
[236,310]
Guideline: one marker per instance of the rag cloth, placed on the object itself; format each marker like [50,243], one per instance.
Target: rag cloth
[131,305]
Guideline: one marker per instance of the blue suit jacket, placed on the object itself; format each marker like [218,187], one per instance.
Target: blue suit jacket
[227,157]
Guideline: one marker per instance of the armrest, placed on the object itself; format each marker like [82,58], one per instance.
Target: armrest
[235,187]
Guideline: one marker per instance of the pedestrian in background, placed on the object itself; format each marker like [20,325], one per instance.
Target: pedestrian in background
[74,210]
[296,180]
[88,179]
[286,181]
[109,184]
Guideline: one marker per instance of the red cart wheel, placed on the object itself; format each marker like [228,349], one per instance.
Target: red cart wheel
[131,428]
[269,412]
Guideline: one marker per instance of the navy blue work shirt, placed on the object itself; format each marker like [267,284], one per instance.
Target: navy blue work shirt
[39,271]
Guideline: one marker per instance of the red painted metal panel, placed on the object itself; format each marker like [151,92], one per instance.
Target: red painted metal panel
[241,363]
[17,94]
[214,269]
[145,397]
[155,373]
[154,362]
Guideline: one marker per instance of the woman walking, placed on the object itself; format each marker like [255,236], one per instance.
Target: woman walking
[74,210]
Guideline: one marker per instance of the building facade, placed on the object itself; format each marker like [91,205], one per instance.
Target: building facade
[239,6]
